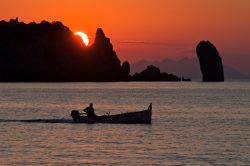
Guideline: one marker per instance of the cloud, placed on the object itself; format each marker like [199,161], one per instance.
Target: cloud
[152,43]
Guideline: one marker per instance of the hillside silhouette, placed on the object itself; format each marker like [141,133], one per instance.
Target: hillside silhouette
[51,52]
[187,67]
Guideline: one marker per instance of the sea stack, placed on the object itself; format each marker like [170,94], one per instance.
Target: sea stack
[210,62]
[107,61]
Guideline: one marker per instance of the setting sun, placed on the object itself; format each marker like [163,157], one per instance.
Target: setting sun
[84,37]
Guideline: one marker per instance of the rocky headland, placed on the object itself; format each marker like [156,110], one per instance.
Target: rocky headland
[51,52]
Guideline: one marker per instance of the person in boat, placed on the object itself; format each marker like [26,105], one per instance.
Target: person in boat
[90,111]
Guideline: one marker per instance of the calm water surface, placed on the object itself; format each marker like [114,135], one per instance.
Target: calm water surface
[194,123]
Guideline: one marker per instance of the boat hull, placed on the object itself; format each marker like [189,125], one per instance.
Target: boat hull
[140,117]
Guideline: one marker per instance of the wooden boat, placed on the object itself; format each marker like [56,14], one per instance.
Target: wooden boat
[140,117]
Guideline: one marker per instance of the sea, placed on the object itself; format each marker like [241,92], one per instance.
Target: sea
[193,123]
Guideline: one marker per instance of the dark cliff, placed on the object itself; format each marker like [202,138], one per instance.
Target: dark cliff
[51,52]
[210,62]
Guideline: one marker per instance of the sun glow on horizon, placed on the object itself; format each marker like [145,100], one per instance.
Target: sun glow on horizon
[84,37]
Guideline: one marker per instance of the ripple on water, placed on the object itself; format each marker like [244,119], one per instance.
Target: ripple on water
[193,124]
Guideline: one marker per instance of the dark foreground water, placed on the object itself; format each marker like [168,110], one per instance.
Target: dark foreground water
[193,123]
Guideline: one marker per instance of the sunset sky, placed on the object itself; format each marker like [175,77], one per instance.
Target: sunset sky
[150,29]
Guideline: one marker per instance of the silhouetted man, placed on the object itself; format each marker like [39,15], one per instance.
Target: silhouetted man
[90,111]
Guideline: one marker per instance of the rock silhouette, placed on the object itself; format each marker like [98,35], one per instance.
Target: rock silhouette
[107,65]
[50,52]
[152,73]
[210,62]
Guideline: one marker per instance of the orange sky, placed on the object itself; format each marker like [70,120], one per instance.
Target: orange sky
[150,29]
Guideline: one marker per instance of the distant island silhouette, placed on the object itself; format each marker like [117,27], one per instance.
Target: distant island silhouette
[152,73]
[187,67]
[50,52]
